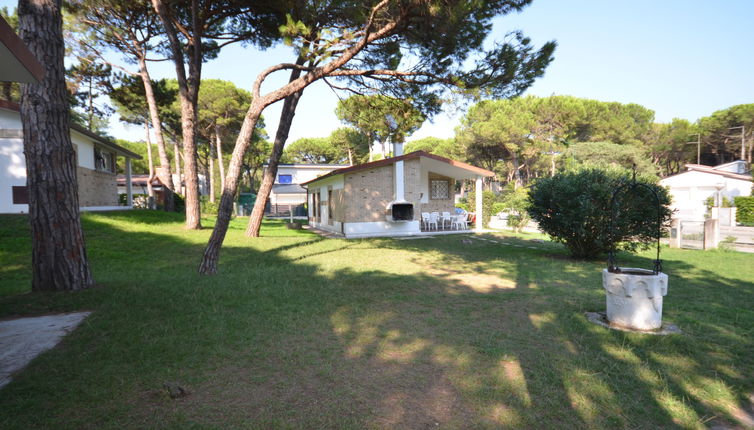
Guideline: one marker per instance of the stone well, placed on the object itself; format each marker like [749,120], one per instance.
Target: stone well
[634,297]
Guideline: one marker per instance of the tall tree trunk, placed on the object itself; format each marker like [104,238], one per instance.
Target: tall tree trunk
[212,251]
[188,91]
[516,171]
[211,163]
[59,260]
[350,157]
[91,106]
[167,176]
[179,174]
[150,189]
[268,177]
[220,162]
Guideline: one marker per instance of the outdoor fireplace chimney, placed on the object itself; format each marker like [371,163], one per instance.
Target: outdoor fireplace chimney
[399,210]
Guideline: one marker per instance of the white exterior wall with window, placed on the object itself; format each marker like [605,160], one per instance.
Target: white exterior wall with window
[690,190]
[319,214]
[13,192]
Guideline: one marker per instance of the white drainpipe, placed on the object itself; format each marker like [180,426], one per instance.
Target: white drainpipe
[399,187]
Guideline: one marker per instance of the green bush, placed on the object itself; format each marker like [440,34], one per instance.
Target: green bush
[745,210]
[208,207]
[516,203]
[180,203]
[488,200]
[574,208]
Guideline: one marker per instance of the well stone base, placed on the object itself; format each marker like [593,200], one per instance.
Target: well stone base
[634,298]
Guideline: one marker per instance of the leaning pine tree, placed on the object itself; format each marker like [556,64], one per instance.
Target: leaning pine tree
[363,43]
[58,253]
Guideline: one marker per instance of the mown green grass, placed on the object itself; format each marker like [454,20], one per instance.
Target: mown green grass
[297,331]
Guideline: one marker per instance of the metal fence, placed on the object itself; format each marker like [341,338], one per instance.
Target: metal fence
[692,234]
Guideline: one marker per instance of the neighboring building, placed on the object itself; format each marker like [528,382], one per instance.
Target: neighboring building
[287,190]
[386,197]
[95,159]
[690,189]
[139,185]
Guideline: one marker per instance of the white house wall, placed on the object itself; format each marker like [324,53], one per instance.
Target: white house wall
[333,183]
[9,120]
[84,149]
[12,174]
[689,190]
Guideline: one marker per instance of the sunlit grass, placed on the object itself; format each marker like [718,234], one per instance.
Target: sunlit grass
[297,331]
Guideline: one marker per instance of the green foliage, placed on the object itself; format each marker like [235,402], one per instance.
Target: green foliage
[208,207]
[138,167]
[180,203]
[129,98]
[521,138]
[87,82]
[351,143]
[744,210]
[314,150]
[574,208]
[609,155]
[720,143]
[488,201]
[448,148]
[371,115]
[516,203]
[668,145]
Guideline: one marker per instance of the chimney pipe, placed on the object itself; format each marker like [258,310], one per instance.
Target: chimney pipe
[399,182]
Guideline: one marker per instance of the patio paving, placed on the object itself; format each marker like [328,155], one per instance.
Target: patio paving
[22,339]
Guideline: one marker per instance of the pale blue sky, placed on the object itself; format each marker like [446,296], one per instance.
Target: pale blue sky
[682,59]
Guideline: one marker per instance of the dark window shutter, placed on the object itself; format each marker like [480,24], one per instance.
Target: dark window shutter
[21,195]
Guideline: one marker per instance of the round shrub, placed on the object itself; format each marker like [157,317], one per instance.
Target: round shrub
[573,207]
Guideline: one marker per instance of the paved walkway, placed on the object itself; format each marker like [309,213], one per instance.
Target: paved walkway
[23,339]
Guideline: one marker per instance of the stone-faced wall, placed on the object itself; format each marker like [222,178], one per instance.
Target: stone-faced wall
[367,193]
[440,205]
[97,188]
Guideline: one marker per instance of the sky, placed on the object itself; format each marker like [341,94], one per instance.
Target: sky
[680,58]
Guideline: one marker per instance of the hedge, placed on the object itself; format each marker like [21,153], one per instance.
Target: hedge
[744,210]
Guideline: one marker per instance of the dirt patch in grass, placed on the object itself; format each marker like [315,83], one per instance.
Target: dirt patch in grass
[303,383]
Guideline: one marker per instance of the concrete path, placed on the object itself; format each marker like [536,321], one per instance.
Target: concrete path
[23,339]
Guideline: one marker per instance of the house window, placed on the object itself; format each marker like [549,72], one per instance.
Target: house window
[103,160]
[439,190]
[20,195]
[285,179]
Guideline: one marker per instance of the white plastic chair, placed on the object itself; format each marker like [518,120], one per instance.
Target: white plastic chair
[425,220]
[459,222]
[433,218]
[446,217]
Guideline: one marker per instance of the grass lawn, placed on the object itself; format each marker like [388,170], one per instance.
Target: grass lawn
[303,332]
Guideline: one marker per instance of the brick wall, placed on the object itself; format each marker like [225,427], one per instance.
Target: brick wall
[367,193]
[440,205]
[97,188]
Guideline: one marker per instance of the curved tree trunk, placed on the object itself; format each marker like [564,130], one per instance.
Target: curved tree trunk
[268,178]
[59,260]
[220,162]
[211,168]
[167,176]
[211,255]
[150,164]
[178,173]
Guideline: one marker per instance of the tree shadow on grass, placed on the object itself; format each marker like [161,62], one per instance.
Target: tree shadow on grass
[298,334]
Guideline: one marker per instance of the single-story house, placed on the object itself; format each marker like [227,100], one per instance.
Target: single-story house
[691,188]
[386,197]
[95,159]
[287,190]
